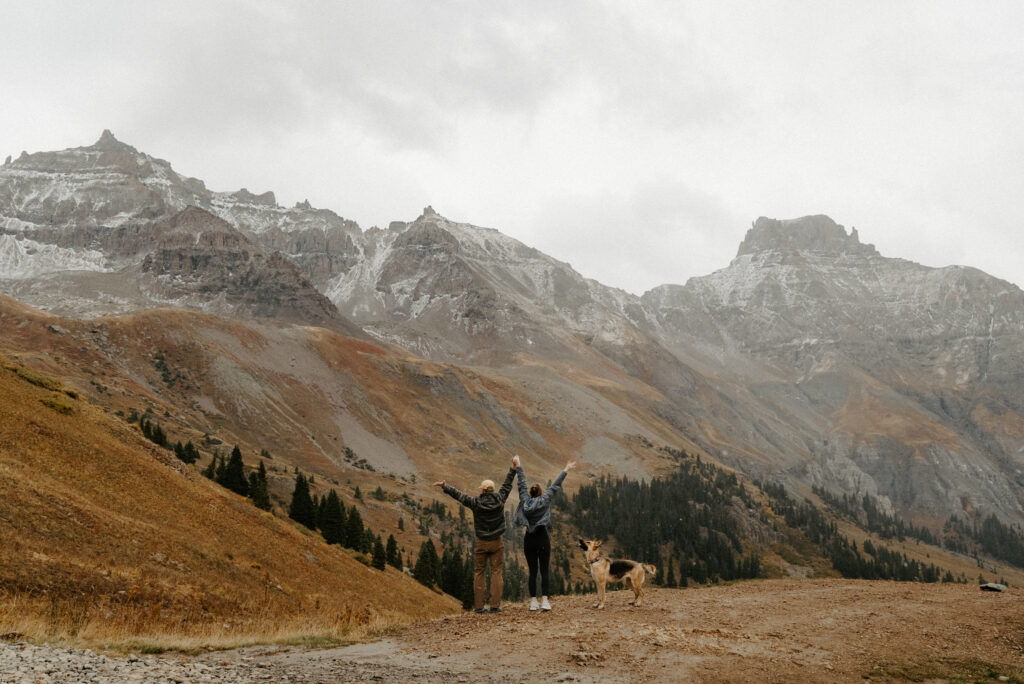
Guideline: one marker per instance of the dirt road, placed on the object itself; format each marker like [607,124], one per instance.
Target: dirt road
[765,631]
[784,630]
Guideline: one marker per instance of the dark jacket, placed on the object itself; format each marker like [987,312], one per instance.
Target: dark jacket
[535,511]
[488,508]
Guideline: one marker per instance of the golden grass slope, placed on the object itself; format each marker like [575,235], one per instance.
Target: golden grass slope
[108,540]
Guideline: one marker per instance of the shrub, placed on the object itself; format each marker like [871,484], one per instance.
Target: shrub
[59,404]
[363,558]
[38,379]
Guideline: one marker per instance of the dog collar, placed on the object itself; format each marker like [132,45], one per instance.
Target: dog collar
[595,560]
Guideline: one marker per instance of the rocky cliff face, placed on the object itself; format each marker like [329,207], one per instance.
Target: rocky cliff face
[811,358]
[200,261]
[106,197]
[911,369]
[808,234]
[459,292]
[87,219]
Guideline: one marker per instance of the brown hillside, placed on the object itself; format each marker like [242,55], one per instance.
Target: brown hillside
[107,539]
[308,394]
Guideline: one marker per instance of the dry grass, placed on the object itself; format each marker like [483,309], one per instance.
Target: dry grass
[108,539]
[131,628]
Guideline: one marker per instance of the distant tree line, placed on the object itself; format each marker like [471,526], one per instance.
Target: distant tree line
[864,511]
[230,474]
[683,522]
[340,525]
[152,431]
[993,537]
[876,562]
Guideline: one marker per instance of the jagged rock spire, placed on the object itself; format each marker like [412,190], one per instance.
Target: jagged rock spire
[107,141]
[817,233]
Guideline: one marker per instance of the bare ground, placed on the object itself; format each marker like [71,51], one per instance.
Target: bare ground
[776,630]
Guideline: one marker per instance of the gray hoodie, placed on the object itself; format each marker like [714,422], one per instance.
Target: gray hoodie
[535,511]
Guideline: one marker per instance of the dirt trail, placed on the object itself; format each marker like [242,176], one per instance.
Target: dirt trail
[779,630]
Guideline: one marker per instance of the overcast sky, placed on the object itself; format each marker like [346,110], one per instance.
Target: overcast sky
[636,141]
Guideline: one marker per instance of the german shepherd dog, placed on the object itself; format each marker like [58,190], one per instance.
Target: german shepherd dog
[604,571]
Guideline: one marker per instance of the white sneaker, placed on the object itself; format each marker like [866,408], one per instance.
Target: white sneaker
[544,605]
[533,604]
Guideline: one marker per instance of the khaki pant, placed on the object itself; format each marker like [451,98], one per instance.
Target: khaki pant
[494,551]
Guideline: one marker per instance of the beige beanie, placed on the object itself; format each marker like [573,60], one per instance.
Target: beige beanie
[487,485]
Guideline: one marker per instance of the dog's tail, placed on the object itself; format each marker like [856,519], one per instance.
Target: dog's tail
[650,569]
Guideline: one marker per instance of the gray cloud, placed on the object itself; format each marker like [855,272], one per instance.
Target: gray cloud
[556,122]
[658,232]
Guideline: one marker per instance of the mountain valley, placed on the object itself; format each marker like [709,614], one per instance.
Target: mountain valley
[385,359]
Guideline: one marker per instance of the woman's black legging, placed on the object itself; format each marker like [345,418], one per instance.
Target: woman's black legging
[537,546]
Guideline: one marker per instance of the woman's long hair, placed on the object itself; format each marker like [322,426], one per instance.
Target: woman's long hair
[535,490]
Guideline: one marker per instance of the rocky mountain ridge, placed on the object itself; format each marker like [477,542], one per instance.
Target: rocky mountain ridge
[199,258]
[811,358]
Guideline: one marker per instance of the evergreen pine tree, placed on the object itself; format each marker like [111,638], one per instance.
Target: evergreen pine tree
[159,436]
[210,471]
[513,580]
[367,545]
[427,565]
[332,521]
[353,529]
[318,505]
[393,557]
[301,509]
[380,556]
[234,474]
[343,521]
[258,488]
[467,582]
[451,572]
[401,524]
[221,473]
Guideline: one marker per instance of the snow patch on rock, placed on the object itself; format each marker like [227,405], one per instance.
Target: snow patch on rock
[23,258]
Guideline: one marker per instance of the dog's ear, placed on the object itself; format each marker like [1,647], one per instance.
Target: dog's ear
[598,543]
[583,544]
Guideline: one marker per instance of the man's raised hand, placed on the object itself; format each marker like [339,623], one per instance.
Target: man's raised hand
[439,484]
[515,461]
[570,465]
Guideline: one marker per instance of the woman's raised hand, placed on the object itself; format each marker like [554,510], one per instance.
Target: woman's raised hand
[439,484]
[515,461]
[570,465]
